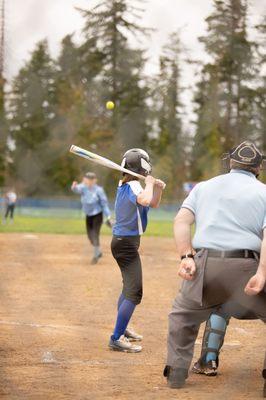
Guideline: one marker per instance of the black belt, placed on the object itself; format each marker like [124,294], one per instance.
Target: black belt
[232,254]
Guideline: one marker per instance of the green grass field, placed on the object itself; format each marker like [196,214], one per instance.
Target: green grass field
[31,224]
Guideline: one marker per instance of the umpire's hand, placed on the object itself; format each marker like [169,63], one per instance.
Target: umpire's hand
[256,284]
[187,269]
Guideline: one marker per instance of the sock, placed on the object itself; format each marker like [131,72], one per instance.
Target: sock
[214,340]
[97,251]
[120,301]
[125,312]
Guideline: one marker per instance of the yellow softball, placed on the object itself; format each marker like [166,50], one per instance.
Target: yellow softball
[110,105]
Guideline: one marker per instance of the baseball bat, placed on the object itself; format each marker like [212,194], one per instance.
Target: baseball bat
[102,161]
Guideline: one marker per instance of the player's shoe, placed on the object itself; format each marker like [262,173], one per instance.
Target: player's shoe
[209,368]
[96,259]
[124,345]
[132,336]
[176,377]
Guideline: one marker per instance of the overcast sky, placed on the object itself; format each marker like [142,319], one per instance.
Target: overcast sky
[28,21]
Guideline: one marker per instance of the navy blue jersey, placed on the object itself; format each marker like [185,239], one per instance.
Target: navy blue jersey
[131,217]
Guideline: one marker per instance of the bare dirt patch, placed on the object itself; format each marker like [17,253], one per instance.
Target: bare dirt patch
[57,312]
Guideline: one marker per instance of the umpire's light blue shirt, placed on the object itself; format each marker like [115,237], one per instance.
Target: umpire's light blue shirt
[93,199]
[230,212]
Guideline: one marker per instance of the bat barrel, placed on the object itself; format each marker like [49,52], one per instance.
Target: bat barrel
[101,160]
[73,149]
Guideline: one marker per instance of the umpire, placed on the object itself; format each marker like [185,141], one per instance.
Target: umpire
[226,261]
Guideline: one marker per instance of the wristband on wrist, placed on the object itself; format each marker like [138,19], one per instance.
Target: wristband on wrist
[188,255]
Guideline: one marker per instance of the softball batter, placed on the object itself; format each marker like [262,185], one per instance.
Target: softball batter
[131,209]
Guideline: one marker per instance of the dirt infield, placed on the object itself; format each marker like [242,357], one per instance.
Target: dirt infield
[57,312]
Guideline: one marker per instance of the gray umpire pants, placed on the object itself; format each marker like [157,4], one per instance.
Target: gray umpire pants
[218,286]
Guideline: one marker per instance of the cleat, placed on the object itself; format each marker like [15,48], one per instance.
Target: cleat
[132,336]
[124,345]
[176,377]
[96,259]
[208,369]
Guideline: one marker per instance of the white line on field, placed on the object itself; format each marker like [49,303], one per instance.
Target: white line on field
[48,358]
[29,236]
[34,325]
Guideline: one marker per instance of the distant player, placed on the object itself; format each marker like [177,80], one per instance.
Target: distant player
[131,209]
[11,199]
[95,206]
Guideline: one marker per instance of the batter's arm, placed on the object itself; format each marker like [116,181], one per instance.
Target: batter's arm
[257,283]
[182,232]
[157,193]
[145,197]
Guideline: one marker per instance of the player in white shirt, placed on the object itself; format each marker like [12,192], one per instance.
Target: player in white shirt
[11,199]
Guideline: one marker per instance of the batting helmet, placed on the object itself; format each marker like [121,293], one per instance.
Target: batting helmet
[137,160]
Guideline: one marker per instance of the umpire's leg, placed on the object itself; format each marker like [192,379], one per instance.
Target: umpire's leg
[184,322]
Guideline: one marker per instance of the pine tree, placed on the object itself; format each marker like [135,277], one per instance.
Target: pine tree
[80,116]
[228,45]
[261,90]
[169,145]
[3,125]
[68,105]
[260,94]
[207,147]
[3,131]
[32,114]
[108,26]
[225,95]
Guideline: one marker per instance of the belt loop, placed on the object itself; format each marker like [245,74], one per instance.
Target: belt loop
[256,256]
[246,253]
[223,254]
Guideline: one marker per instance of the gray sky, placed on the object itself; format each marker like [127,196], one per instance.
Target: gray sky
[31,20]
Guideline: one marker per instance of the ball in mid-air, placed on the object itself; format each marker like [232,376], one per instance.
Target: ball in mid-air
[110,105]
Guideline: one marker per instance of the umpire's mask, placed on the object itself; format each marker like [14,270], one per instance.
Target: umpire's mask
[246,154]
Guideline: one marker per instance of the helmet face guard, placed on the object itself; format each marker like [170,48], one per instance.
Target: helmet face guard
[226,158]
[246,154]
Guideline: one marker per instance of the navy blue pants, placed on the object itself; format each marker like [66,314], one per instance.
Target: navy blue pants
[125,251]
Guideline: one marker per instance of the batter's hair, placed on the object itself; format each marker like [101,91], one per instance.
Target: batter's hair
[236,165]
[128,178]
